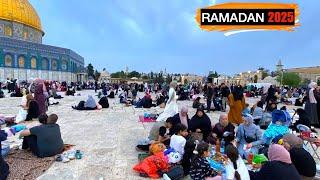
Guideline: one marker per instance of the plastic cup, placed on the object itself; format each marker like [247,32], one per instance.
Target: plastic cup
[250,158]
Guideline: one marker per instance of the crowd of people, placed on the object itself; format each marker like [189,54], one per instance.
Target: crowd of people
[187,142]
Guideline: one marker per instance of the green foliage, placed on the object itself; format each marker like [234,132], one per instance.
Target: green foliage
[318,82]
[134,74]
[119,74]
[90,70]
[290,79]
[97,75]
[255,80]
[145,77]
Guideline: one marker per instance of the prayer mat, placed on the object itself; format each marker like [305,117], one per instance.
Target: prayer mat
[146,120]
[24,165]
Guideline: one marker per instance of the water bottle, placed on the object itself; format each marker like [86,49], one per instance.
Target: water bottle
[222,146]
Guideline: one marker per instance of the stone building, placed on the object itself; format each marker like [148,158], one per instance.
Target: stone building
[22,54]
[307,73]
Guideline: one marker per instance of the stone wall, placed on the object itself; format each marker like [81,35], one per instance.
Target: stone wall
[26,74]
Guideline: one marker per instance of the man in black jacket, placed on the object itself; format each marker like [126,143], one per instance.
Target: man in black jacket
[224,95]
[209,96]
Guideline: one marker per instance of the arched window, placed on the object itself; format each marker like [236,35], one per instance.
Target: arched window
[64,65]
[45,64]
[8,31]
[8,60]
[54,64]
[33,63]
[21,61]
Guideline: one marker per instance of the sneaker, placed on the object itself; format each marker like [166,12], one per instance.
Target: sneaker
[71,155]
[59,158]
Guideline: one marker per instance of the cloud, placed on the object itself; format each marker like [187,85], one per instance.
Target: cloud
[132,26]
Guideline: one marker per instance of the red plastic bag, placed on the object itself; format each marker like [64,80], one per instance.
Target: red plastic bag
[152,165]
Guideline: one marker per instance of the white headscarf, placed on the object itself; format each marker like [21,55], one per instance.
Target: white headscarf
[312,98]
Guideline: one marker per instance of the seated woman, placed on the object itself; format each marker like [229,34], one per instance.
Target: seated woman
[222,127]
[181,118]
[4,168]
[111,95]
[90,104]
[235,168]
[278,167]
[196,103]
[54,94]
[301,159]
[160,98]
[44,140]
[33,110]
[70,91]
[248,137]
[258,112]
[200,167]
[1,93]
[303,119]
[200,123]
[104,102]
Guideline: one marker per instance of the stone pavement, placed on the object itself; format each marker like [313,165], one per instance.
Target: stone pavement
[106,137]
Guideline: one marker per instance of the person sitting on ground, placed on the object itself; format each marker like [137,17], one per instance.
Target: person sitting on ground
[158,133]
[180,118]
[54,94]
[248,137]
[246,110]
[90,104]
[43,118]
[104,102]
[258,112]
[111,95]
[222,127]
[200,123]
[267,116]
[279,126]
[160,99]
[44,140]
[70,91]
[279,166]
[178,140]
[304,119]
[235,168]
[4,167]
[200,167]
[301,159]
[196,103]
[1,93]
[33,110]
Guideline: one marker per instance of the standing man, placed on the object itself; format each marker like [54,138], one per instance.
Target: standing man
[209,96]
[225,91]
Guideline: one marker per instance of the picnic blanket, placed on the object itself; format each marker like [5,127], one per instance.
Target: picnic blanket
[24,165]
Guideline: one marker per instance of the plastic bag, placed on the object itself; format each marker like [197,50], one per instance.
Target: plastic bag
[259,158]
[153,165]
[156,148]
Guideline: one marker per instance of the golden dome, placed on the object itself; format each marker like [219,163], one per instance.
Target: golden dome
[20,11]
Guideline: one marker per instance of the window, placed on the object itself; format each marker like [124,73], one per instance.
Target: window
[45,64]
[54,64]
[25,34]
[8,31]
[21,62]
[33,63]
[8,60]
[64,65]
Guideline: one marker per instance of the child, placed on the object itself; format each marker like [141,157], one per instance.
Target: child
[235,168]
[178,140]
[200,167]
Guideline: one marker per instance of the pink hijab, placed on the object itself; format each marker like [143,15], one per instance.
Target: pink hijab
[279,153]
[183,119]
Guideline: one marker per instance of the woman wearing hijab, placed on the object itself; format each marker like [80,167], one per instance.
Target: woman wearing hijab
[40,97]
[248,137]
[33,110]
[180,118]
[303,119]
[4,168]
[200,123]
[237,104]
[222,127]
[311,104]
[171,107]
[279,166]
[301,159]
[90,104]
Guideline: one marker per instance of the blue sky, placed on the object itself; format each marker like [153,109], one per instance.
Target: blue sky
[151,35]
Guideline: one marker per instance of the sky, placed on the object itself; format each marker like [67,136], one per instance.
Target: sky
[153,35]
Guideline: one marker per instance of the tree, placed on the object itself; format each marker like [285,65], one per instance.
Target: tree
[145,77]
[119,74]
[90,70]
[134,74]
[168,79]
[318,82]
[213,75]
[97,75]
[185,81]
[289,78]
[151,75]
